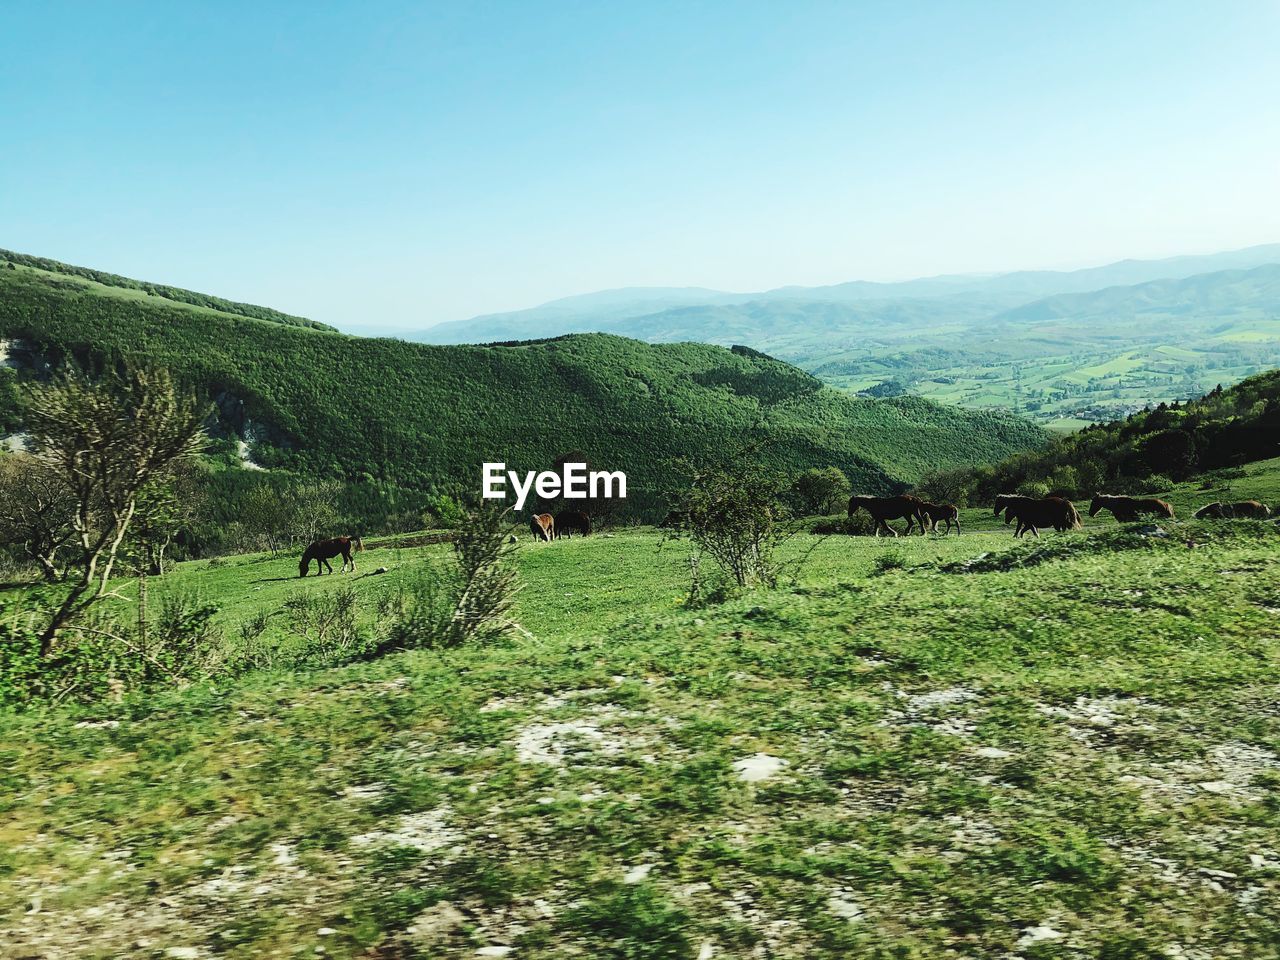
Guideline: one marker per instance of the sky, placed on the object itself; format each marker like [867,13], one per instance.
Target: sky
[393,165]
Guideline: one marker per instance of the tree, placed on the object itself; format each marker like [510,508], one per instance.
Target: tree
[36,511]
[734,516]
[822,490]
[266,513]
[315,510]
[107,441]
[166,506]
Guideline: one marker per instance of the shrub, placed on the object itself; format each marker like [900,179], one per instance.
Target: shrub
[443,512]
[327,624]
[859,525]
[890,560]
[819,491]
[733,517]
[1033,488]
[467,601]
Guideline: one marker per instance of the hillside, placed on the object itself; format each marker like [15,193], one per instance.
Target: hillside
[958,747]
[1066,348]
[104,283]
[1226,295]
[1219,432]
[328,405]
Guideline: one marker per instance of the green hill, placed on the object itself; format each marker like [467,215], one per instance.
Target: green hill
[382,411]
[1221,431]
[105,283]
[1063,348]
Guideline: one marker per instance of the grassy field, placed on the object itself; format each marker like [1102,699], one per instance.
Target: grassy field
[963,747]
[1082,384]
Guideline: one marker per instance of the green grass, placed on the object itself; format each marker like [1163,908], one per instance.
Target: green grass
[1081,738]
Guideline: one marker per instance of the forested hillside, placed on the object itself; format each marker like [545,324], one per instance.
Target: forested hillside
[387,412]
[1148,451]
[106,283]
[1065,349]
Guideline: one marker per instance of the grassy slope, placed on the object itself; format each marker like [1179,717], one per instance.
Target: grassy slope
[110,284]
[416,415]
[1086,744]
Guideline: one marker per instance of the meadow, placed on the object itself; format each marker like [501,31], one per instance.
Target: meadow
[928,747]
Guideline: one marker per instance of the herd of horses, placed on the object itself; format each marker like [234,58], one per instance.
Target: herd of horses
[1032,514]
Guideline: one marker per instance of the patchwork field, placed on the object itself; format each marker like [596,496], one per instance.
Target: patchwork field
[1076,384]
[963,747]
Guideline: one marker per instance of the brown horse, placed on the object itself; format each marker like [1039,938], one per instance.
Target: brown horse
[942,512]
[1032,513]
[1128,509]
[569,522]
[1242,510]
[322,551]
[890,508]
[542,526]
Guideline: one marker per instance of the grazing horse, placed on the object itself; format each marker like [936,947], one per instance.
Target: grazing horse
[1243,510]
[1031,513]
[890,508]
[1128,509]
[542,526]
[322,551]
[569,522]
[940,512]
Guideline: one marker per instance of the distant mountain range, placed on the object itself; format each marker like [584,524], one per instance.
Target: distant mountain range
[1068,347]
[635,311]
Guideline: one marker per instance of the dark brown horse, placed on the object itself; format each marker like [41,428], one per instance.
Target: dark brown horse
[542,526]
[940,513]
[1032,513]
[1128,509]
[569,522]
[322,551]
[1241,510]
[883,509]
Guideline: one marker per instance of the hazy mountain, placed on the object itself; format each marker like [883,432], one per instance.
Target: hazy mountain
[1218,296]
[656,312]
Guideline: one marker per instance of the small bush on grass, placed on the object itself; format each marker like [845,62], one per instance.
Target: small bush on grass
[890,560]
[859,525]
[327,625]
[467,600]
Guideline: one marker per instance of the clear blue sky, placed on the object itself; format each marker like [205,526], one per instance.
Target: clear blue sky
[402,164]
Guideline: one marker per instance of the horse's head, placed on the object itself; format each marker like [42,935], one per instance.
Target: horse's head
[1207,510]
[1097,503]
[1002,501]
[357,544]
[302,567]
[855,504]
